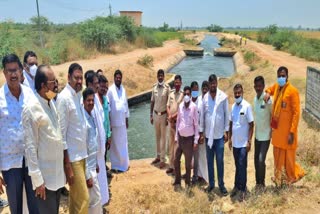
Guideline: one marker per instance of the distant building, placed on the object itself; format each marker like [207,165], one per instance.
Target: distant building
[135,15]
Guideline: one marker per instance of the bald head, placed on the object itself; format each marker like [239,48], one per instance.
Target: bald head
[45,80]
[42,76]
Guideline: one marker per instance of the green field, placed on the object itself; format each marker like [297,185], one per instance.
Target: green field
[304,44]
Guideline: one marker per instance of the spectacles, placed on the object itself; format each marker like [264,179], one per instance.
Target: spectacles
[11,71]
[77,78]
[52,81]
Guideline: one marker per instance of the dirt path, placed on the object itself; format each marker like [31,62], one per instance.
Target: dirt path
[136,78]
[297,66]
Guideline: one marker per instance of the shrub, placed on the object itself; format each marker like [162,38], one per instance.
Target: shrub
[10,41]
[148,38]
[99,34]
[44,21]
[249,57]
[125,23]
[291,42]
[187,41]
[146,61]
[215,28]
[283,39]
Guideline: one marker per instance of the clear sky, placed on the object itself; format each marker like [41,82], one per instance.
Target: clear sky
[243,13]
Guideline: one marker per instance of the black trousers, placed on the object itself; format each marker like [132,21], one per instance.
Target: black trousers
[51,204]
[260,153]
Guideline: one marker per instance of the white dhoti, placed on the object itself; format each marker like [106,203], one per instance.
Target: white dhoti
[95,206]
[103,180]
[203,166]
[119,156]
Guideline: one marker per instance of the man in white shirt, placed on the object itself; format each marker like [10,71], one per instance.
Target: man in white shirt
[214,122]
[92,167]
[119,156]
[30,63]
[92,82]
[262,112]
[201,174]
[43,143]
[13,97]
[240,134]
[74,134]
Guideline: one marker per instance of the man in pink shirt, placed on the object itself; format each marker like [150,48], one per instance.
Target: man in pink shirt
[187,135]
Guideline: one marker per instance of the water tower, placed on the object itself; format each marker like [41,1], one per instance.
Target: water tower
[135,15]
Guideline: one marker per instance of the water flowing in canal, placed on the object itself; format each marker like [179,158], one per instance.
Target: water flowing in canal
[141,135]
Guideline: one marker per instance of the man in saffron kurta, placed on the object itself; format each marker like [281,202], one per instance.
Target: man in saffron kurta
[284,124]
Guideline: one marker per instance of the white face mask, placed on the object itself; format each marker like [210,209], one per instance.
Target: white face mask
[186,99]
[161,83]
[33,70]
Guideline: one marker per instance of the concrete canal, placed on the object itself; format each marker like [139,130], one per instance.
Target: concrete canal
[141,134]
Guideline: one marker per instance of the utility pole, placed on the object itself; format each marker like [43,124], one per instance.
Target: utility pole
[39,24]
[110,11]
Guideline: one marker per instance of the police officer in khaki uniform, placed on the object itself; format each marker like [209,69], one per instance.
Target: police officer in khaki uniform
[158,116]
[175,98]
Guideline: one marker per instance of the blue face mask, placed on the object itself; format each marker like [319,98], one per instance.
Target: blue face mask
[282,81]
[238,100]
[194,94]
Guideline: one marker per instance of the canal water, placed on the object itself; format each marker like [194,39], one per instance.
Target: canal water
[141,136]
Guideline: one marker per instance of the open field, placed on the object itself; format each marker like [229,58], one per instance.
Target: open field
[253,34]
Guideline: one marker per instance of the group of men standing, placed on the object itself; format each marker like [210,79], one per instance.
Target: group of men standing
[199,127]
[49,139]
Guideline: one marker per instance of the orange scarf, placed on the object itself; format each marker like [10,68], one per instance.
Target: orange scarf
[278,96]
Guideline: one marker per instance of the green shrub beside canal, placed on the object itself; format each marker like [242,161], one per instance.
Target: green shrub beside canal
[291,41]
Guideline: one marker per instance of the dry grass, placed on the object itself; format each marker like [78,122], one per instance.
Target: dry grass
[310,34]
[253,34]
[161,199]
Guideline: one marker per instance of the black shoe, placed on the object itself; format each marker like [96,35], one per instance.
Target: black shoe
[109,174]
[234,192]
[224,191]
[176,183]
[177,187]
[243,195]
[107,168]
[194,181]
[209,189]
[116,171]
[170,171]
[64,191]
[3,203]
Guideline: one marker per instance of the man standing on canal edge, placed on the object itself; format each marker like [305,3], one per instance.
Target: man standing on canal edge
[158,116]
